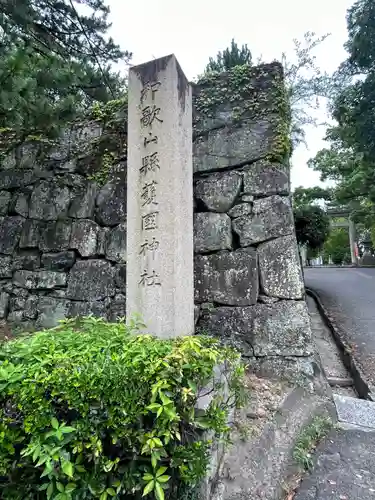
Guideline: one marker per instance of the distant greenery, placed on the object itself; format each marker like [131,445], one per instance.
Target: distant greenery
[312,226]
[94,410]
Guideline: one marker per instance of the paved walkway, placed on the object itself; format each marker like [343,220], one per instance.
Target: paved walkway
[349,296]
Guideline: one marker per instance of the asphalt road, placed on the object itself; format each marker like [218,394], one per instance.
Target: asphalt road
[349,296]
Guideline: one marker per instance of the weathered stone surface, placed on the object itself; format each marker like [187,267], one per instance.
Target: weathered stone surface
[280,270]
[84,237]
[231,146]
[115,244]
[120,277]
[264,178]
[31,307]
[51,311]
[102,237]
[56,236]
[240,210]
[20,204]
[17,303]
[247,198]
[117,308]
[234,325]
[80,309]
[111,204]
[355,411]
[4,302]
[31,233]
[5,266]
[27,259]
[15,317]
[228,278]
[218,192]
[91,280]
[272,217]
[4,202]
[83,202]
[6,285]
[10,233]
[12,179]
[39,280]
[49,201]
[212,231]
[60,261]
[282,329]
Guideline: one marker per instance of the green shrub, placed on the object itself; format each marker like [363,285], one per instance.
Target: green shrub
[94,410]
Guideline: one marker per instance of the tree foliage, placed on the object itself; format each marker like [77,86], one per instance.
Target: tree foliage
[337,246]
[312,226]
[349,159]
[55,61]
[229,58]
[307,196]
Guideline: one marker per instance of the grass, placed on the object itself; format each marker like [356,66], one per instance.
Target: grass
[308,440]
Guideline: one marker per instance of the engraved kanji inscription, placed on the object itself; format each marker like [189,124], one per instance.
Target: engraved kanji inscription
[150,221]
[149,279]
[148,193]
[149,246]
[149,139]
[149,115]
[152,87]
[150,163]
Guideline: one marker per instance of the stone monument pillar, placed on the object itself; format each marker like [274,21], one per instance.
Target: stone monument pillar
[160,199]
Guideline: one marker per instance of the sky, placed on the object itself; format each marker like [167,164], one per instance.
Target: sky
[198,29]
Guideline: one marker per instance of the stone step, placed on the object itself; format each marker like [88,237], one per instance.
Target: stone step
[353,411]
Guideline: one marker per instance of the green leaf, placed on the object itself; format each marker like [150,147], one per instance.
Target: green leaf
[60,487]
[148,488]
[148,477]
[163,479]
[104,496]
[67,429]
[111,492]
[154,460]
[70,487]
[54,423]
[67,468]
[161,471]
[159,492]
[50,490]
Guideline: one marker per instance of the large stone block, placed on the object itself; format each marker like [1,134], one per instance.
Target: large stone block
[4,202]
[5,266]
[280,269]
[111,204]
[80,309]
[60,261]
[84,237]
[4,304]
[14,179]
[20,204]
[117,308]
[228,278]
[26,259]
[233,325]
[281,329]
[51,311]
[115,244]
[271,217]
[233,146]
[212,232]
[56,236]
[32,233]
[91,280]
[49,201]
[83,202]
[219,191]
[240,210]
[10,233]
[39,280]
[264,179]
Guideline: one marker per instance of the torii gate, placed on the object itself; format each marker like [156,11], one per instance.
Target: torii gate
[345,212]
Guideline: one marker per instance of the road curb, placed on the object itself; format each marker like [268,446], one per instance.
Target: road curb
[362,387]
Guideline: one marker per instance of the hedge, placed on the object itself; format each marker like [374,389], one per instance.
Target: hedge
[96,410]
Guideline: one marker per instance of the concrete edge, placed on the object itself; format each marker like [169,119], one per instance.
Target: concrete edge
[363,388]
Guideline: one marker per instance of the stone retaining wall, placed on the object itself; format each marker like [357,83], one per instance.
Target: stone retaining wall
[63,233]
